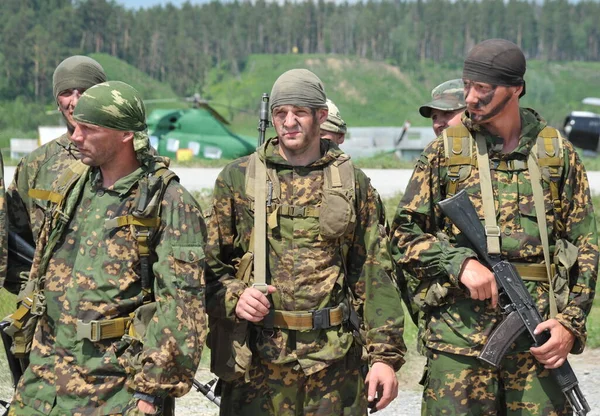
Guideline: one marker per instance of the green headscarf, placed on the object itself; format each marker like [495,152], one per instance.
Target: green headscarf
[118,106]
[77,72]
[298,87]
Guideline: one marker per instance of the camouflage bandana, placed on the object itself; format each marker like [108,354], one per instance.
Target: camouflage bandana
[448,96]
[118,106]
[77,72]
[298,87]
[496,62]
[334,122]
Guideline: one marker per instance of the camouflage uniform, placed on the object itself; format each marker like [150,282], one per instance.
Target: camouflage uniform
[38,170]
[456,326]
[312,371]
[94,274]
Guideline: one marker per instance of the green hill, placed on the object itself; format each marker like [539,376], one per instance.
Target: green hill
[372,93]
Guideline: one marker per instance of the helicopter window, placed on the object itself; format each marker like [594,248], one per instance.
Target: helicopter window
[212,152]
[154,141]
[172,145]
[194,147]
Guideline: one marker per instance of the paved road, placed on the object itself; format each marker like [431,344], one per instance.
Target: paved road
[388,182]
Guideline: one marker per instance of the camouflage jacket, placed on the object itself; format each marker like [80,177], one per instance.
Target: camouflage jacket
[38,170]
[306,269]
[424,244]
[94,274]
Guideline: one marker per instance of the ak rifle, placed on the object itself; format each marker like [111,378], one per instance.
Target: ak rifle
[518,306]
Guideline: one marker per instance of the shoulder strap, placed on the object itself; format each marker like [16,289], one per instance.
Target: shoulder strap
[540,212]
[549,153]
[458,145]
[260,225]
[144,218]
[492,231]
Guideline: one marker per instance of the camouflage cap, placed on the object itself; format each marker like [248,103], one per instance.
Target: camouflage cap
[334,122]
[77,72]
[118,106]
[448,96]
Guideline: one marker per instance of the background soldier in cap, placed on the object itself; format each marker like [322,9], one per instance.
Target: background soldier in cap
[334,128]
[457,294]
[122,238]
[38,170]
[447,105]
[326,260]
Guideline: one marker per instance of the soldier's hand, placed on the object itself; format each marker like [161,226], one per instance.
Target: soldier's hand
[253,305]
[381,383]
[479,280]
[554,352]
[146,407]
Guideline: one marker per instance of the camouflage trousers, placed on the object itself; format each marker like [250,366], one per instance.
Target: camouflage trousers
[284,390]
[460,385]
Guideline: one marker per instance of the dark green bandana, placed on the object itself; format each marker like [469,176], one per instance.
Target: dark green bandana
[77,72]
[298,87]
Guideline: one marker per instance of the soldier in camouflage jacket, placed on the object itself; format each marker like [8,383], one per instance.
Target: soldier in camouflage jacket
[40,169]
[457,294]
[93,273]
[304,371]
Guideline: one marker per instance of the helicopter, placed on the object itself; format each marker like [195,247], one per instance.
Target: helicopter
[582,128]
[196,132]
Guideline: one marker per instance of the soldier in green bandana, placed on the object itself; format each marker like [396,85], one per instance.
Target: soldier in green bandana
[327,260]
[39,170]
[119,262]
[495,154]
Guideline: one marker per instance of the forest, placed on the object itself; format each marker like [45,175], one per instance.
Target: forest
[178,46]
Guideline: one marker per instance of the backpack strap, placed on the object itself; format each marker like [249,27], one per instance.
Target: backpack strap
[492,231]
[550,150]
[458,148]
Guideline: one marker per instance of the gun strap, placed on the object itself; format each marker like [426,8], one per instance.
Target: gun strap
[540,212]
[492,231]
[260,226]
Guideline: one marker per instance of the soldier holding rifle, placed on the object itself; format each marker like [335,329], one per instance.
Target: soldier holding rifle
[531,190]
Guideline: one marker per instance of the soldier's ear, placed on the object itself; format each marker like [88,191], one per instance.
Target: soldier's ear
[322,114]
[127,136]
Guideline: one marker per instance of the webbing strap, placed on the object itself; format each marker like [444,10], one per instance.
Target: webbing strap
[45,195]
[492,231]
[295,210]
[303,321]
[540,212]
[260,226]
[131,220]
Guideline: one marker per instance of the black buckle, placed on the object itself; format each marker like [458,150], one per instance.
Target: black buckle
[321,319]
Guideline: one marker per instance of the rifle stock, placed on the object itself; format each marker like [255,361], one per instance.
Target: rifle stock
[515,300]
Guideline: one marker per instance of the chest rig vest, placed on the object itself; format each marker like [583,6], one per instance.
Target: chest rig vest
[62,201]
[544,163]
[336,215]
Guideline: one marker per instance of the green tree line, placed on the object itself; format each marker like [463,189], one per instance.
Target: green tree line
[178,45]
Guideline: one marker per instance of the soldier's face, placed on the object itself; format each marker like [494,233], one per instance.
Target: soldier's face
[337,138]
[443,119]
[486,101]
[99,146]
[298,128]
[67,100]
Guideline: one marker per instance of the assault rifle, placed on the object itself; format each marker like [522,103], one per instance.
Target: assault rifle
[20,249]
[263,122]
[514,298]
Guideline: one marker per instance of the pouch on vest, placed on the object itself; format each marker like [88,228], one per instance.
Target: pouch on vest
[131,360]
[229,343]
[23,322]
[336,215]
[565,258]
